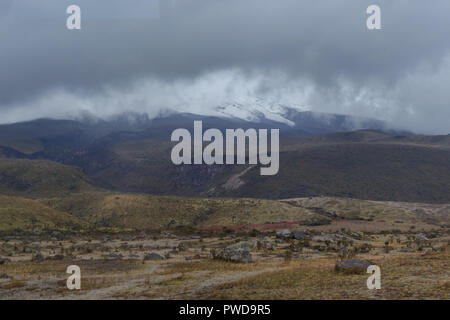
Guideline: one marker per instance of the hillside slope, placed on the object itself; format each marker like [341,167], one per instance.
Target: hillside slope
[372,171]
[104,209]
[37,178]
[26,215]
[132,154]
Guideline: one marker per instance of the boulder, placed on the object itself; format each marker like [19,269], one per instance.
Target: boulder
[284,233]
[353,266]
[438,248]
[301,235]
[238,252]
[152,257]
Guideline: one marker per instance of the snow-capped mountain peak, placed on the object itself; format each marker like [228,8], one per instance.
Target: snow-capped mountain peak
[256,110]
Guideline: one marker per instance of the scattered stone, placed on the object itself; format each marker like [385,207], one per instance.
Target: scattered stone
[152,257]
[4,261]
[353,266]
[438,248]
[115,256]
[38,257]
[238,252]
[301,235]
[27,250]
[421,239]
[4,276]
[284,233]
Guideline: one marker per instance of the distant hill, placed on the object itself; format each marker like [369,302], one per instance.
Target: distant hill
[25,215]
[131,153]
[354,168]
[105,209]
[362,164]
[37,178]
[142,212]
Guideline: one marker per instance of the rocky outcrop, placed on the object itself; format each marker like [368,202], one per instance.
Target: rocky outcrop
[238,252]
[152,257]
[353,266]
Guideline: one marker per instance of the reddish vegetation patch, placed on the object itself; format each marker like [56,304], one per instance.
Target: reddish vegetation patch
[256,226]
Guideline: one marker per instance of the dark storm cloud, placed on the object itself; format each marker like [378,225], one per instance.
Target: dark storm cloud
[317,51]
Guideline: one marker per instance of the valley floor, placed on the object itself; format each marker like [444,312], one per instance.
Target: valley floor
[114,267]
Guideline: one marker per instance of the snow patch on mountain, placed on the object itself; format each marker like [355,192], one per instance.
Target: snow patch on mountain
[255,111]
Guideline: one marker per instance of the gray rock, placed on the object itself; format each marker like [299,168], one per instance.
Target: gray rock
[115,256]
[238,252]
[38,257]
[353,266]
[301,235]
[438,248]
[284,233]
[152,257]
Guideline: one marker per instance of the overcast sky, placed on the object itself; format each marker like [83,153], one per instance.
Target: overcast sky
[193,55]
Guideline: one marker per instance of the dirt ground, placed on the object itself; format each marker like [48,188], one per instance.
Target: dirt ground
[113,267]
